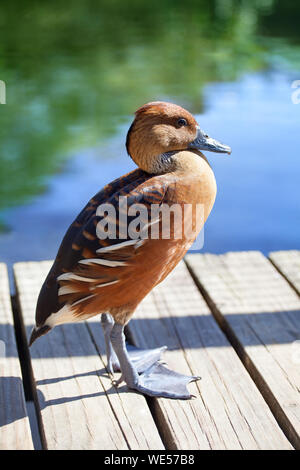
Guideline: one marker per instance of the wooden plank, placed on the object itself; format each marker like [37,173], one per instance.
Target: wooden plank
[260,313]
[228,411]
[80,409]
[14,423]
[288,263]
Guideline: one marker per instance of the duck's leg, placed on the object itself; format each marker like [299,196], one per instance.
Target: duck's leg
[141,358]
[157,380]
[107,324]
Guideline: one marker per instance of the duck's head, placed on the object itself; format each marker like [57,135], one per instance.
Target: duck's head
[161,129]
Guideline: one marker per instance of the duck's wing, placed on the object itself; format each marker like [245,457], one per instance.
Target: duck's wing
[89,271]
[124,183]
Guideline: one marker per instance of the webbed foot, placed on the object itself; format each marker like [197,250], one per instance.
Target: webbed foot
[159,381]
[142,359]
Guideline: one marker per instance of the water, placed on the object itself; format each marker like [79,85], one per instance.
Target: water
[74,80]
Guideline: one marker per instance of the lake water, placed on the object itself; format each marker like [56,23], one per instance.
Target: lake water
[64,126]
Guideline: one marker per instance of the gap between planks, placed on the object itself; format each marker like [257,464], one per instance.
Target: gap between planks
[259,312]
[224,414]
[288,264]
[229,411]
[15,431]
[78,406]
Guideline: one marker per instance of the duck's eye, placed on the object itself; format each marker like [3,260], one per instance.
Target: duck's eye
[181,122]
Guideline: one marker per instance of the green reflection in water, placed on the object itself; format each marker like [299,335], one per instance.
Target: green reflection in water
[75,71]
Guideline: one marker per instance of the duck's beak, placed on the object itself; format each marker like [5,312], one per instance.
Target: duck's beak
[204,142]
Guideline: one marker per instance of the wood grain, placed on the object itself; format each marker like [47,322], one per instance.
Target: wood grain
[288,263]
[228,411]
[14,423]
[79,407]
[260,313]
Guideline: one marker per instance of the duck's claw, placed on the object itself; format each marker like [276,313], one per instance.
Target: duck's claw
[159,381]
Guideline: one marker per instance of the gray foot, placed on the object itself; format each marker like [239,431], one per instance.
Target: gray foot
[159,381]
[156,381]
[142,359]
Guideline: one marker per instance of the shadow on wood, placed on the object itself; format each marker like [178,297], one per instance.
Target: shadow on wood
[10,385]
[201,332]
[43,403]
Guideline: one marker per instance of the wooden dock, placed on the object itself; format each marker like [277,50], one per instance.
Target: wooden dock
[233,319]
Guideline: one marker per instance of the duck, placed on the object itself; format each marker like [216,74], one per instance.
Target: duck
[129,237]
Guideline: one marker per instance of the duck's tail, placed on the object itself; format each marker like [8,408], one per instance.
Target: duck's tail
[38,331]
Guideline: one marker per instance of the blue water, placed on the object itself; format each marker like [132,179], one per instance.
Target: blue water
[258,200]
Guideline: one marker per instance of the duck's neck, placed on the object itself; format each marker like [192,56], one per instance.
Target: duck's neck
[183,161]
[189,162]
[189,170]
[156,164]
[164,163]
[195,180]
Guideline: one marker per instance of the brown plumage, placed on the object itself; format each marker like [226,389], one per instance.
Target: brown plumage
[92,274]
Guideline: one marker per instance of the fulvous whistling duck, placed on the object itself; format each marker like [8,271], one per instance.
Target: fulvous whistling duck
[97,271]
